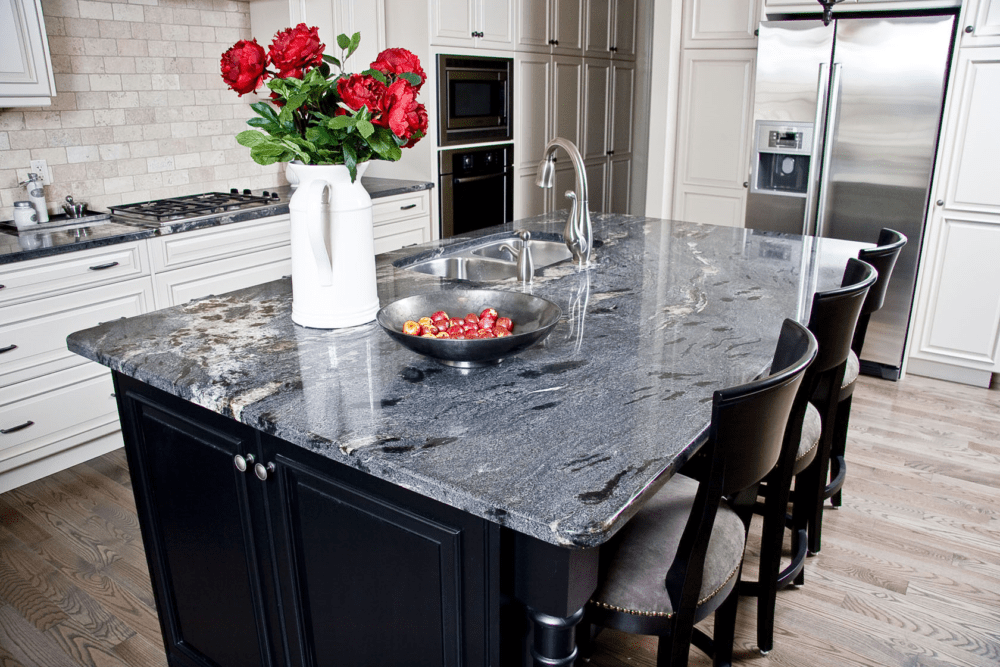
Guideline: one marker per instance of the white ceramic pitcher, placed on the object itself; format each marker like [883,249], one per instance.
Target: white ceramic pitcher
[333,248]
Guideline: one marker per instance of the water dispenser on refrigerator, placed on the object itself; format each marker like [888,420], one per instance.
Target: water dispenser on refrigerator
[782,156]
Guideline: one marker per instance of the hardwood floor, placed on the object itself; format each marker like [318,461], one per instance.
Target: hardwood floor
[909,574]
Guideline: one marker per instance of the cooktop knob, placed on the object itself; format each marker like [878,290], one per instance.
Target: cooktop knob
[234,191]
[246,191]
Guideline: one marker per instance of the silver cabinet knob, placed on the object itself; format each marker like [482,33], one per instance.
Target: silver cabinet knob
[243,462]
[262,470]
[940,202]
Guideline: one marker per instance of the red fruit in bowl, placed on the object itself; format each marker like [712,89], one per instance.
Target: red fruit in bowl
[438,316]
[500,332]
[429,329]
[473,318]
[456,322]
[487,323]
[488,312]
[505,323]
[412,328]
[456,330]
[443,334]
[428,335]
[425,321]
[469,326]
[485,333]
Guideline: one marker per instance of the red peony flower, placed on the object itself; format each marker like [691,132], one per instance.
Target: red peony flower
[243,66]
[289,74]
[401,112]
[360,90]
[296,48]
[399,61]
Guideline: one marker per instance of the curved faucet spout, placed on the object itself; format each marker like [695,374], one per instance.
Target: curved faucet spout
[579,233]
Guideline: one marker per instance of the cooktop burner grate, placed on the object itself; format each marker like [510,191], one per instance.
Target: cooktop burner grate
[191,206]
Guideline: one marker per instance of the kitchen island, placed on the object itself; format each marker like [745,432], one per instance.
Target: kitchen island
[384,509]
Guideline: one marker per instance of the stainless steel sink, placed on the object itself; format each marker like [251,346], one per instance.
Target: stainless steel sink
[543,253]
[467,268]
[486,261]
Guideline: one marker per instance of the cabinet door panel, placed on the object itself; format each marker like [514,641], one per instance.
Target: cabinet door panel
[533,25]
[529,199]
[370,565]
[599,24]
[452,22]
[972,181]
[567,76]
[534,78]
[965,305]
[25,70]
[619,184]
[595,123]
[567,22]
[720,23]
[496,22]
[193,508]
[625,16]
[597,172]
[623,89]
[712,206]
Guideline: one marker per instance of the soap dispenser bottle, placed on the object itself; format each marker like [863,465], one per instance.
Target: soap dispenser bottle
[36,195]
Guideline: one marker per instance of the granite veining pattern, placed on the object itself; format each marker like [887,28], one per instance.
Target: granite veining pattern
[561,442]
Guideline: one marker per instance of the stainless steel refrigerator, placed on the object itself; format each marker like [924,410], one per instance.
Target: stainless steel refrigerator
[846,123]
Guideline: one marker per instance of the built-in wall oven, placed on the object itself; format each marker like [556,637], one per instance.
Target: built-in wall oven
[474,99]
[477,188]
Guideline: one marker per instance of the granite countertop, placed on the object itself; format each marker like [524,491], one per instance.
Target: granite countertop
[28,244]
[562,442]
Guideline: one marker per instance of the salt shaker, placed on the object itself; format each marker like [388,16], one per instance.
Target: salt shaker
[24,214]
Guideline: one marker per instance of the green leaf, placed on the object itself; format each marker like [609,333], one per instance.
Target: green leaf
[365,128]
[265,110]
[331,60]
[340,122]
[351,160]
[295,101]
[355,41]
[250,138]
[343,41]
[268,126]
[383,142]
[377,75]
[414,79]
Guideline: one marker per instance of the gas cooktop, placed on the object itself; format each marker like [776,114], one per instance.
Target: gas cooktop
[164,211]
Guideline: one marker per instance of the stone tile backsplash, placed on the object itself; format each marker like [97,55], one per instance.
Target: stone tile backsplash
[141,111]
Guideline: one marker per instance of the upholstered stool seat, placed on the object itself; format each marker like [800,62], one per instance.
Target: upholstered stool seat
[812,428]
[852,371]
[637,557]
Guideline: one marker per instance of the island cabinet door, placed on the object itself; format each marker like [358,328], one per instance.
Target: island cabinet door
[197,529]
[373,574]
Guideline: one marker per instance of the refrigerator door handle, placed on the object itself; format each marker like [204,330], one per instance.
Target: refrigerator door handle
[831,126]
[822,93]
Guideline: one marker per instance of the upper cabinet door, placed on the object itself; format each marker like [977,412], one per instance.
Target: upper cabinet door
[533,33]
[728,24]
[567,76]
[624,30]
[496,24]
[25,67]
[599,24]
[975,140]
[982,23]
[597,74]
[622,97]
[566,17]
[453,22]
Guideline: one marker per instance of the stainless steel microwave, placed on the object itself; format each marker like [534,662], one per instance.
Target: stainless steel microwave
[474,99]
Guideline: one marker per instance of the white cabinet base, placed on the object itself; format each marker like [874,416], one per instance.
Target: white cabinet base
[949,372]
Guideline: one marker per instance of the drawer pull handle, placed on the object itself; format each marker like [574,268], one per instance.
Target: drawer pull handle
[15,429]
[407,207]
[101,267]
[8,348]
[2,286]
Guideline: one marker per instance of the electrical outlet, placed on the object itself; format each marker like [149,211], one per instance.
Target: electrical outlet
[42,169]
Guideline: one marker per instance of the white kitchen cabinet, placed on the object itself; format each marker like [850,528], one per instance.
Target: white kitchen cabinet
[550,26]
[609,95]
[402,220]
[957,316]
[25,65]
[726,24]
[713,135]
[56,408]
[332,17]
[483,24]
[610,29]
[982,23]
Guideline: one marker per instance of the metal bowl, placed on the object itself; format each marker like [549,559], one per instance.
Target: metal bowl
[533,317]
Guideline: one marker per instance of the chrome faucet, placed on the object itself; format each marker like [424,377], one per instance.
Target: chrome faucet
[579,233]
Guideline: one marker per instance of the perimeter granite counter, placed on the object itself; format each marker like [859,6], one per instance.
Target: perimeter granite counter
[559,445]
[31,244]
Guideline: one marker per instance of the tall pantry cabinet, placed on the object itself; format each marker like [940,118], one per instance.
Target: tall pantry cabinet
[957,318]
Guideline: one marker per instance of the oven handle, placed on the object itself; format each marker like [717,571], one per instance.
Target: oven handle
[473,179]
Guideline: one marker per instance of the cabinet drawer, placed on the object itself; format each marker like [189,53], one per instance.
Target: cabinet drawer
[396,235]
[225,275]
[33,334]
[399,207]
[71,271]
[205,245]
[39,412]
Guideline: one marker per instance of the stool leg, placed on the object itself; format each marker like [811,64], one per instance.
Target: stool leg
[838,449]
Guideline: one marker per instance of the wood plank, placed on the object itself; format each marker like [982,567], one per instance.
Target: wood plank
[23,644]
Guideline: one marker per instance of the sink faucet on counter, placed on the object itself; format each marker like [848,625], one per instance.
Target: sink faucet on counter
[579,234]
